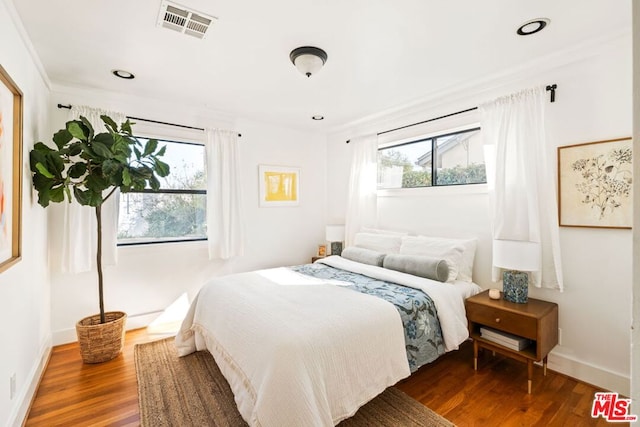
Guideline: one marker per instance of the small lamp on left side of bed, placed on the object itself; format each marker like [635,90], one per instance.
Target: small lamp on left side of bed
[516,257]
[335,235]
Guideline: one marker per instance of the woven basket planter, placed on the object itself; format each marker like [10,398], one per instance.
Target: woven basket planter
[100,342]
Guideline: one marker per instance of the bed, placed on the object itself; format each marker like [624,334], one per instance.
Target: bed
[308,345]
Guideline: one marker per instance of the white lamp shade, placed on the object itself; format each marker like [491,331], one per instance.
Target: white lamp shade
[335,233]
[517,255]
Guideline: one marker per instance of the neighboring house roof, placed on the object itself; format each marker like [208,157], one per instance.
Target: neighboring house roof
[449,143]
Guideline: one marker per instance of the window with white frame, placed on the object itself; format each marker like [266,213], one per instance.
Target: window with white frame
[454,158]
[177,211]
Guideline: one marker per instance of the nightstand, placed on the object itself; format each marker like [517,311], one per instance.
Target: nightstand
[315,258]
[535,320]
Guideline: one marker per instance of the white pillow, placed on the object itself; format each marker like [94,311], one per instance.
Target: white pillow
[385,243]
[466,268]
[448,249]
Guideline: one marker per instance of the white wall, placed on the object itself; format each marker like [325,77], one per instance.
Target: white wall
[593,103]
[149,278]
[24,288]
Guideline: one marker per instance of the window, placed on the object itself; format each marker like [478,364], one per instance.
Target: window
[176,212]
[449,159]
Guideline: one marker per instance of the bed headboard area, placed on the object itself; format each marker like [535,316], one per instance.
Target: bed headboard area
[451,214]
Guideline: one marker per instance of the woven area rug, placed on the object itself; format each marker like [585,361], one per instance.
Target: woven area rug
[191,391]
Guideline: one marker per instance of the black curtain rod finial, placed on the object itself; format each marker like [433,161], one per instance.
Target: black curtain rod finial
[552,88]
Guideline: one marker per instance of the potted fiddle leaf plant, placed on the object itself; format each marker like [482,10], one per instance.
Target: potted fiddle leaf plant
[90,167]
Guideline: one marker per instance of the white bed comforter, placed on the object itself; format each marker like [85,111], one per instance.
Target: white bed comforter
[295,350]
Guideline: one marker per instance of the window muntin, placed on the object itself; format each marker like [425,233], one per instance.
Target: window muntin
[450,159]
[176,212]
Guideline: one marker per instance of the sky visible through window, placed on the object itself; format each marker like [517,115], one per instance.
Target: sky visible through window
[187,166]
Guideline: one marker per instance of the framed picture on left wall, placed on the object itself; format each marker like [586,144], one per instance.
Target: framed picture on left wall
[279,186]
[10,171]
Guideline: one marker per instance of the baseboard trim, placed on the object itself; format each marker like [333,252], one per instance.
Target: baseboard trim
[590,374]
[20,411]
[136,321]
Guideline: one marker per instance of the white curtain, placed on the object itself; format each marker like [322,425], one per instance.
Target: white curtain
[522,189]
[225,228]
[79,240]
[362,201]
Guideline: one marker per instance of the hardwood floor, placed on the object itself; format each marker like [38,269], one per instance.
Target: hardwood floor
[74,394]
[496,394]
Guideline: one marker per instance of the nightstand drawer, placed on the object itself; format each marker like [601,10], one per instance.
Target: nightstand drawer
[517,324]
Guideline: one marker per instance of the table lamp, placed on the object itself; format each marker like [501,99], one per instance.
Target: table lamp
[516,257]
[335,235]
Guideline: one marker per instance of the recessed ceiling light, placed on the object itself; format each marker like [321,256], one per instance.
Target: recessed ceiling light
[533,26]
[123,74]
[317,117]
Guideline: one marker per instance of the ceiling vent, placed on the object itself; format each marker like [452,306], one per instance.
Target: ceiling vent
[183,20]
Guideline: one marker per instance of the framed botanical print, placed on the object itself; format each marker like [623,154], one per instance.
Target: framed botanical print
[10,171]
[595,184]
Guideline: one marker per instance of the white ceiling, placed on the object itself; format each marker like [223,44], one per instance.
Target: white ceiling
[382,54]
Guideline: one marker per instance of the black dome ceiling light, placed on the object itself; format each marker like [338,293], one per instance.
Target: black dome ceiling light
[533,26]
[308,59]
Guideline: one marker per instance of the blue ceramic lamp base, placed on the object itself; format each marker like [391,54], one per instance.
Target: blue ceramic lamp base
[515,286]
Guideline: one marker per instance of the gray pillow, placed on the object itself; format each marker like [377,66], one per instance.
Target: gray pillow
[364,256]
[418,265]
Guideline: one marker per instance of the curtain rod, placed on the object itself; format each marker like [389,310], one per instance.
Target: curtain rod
[551,88]
[68,107]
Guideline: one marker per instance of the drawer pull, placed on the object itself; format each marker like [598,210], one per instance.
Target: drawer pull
[497,320]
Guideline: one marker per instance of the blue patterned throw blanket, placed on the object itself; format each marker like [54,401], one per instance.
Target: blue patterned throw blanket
[422,333]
